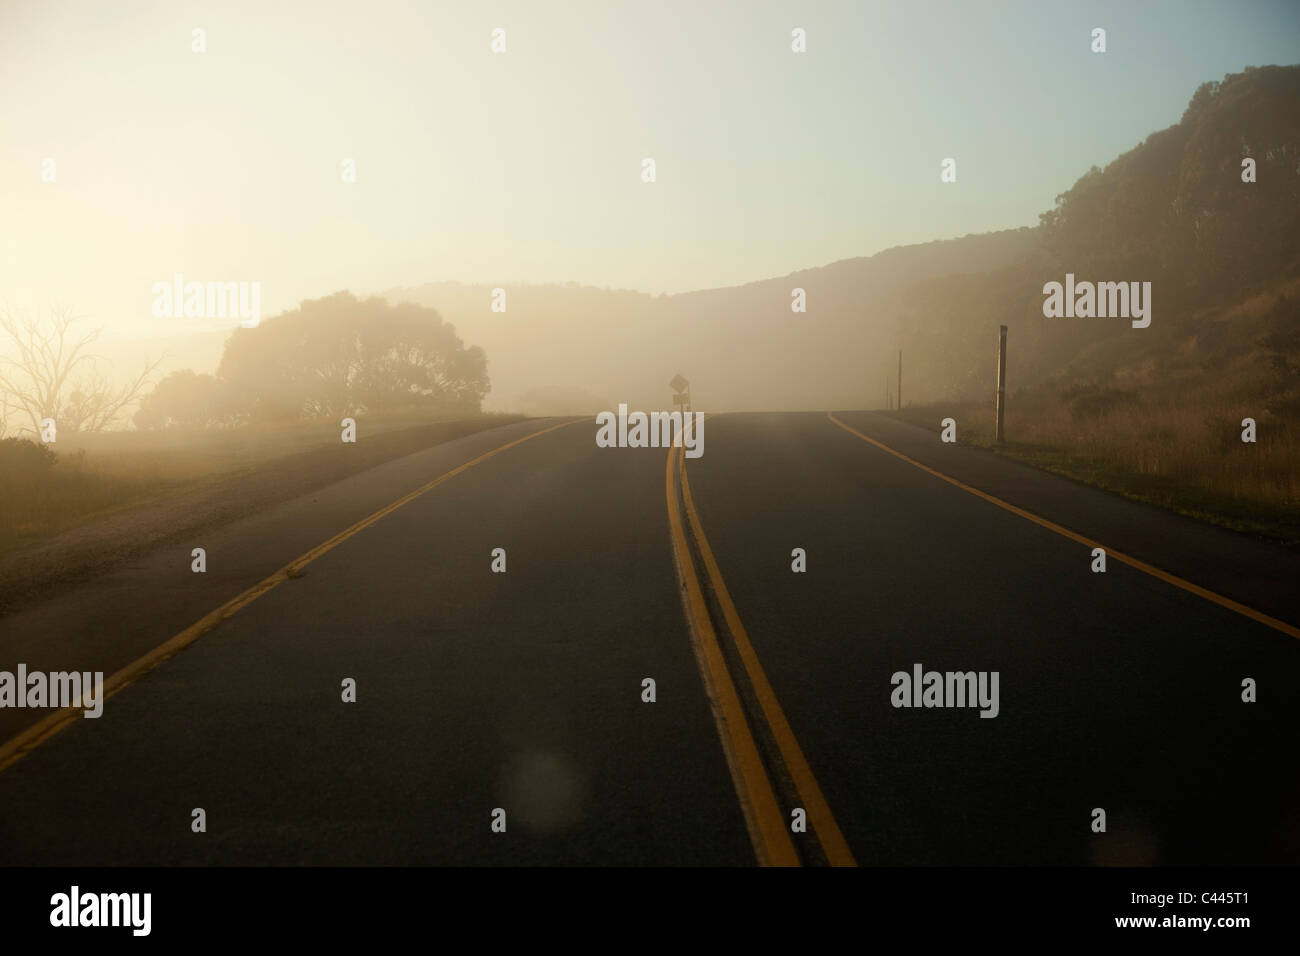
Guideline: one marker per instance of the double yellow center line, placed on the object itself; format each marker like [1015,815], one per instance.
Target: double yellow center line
[769,824]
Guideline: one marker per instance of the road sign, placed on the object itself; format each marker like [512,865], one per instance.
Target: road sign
[678,384]
[681,398]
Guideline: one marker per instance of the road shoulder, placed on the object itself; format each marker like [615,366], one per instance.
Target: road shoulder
[1249,570]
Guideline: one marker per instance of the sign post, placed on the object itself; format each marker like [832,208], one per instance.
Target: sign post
[681,393]
[1002,383]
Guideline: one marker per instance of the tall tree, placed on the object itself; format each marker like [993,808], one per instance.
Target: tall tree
[340,355]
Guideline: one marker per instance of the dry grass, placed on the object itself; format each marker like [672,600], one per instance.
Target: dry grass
[1178,448]
[98,475]
[1195,441]
[1167,428]
[63,497]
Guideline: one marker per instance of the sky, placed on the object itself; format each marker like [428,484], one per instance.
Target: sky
[526,166]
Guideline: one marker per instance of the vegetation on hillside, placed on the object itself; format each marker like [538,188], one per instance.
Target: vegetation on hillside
[1152,413]
[1175,212]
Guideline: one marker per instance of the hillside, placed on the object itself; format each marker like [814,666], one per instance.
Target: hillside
[1222,256]
[742,347]
[1172,211]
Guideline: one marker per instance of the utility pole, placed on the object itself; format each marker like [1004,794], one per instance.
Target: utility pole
[900,380]
[1002,383]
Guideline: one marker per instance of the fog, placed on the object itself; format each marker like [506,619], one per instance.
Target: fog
[739,194]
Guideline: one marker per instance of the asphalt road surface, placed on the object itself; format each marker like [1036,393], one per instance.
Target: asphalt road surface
[525,691]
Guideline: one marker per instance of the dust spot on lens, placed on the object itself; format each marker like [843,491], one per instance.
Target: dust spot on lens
[543,792]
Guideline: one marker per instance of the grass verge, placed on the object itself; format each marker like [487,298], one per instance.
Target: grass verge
[1183,459]
[99,476]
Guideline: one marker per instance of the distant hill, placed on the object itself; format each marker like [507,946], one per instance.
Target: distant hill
[742,347]
[1222,256]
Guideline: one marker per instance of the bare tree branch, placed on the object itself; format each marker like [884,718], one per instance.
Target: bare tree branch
[38,383]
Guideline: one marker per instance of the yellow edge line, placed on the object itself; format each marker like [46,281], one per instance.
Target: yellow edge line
[819,812]
[16,748]
[1224,602]
[763,817]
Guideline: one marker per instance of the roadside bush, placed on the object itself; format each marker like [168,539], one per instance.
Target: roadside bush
[24,463]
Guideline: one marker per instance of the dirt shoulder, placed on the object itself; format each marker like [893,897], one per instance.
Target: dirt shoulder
[65,559]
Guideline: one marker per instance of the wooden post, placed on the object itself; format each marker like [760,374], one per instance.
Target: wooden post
[1002,383]
[900,380]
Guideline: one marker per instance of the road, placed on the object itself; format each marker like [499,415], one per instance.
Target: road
[773,689]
